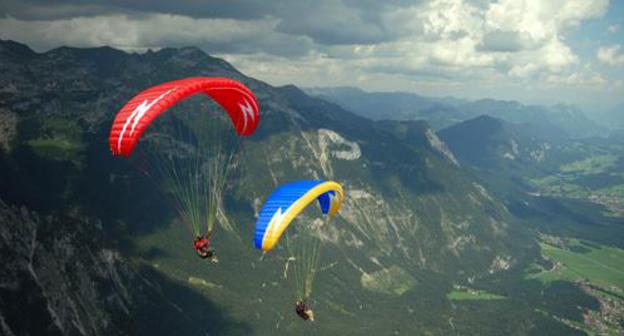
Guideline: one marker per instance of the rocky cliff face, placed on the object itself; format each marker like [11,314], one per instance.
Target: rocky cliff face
[59,278]
[56,275]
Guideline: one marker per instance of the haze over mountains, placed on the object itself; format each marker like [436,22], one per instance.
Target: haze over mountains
[86,237]
[558,120]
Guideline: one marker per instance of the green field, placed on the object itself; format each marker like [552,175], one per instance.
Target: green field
[615,191]
[593,172]
[592,165]
[58,139]
[391,281]
[463,293]
[599,265]
[57,149]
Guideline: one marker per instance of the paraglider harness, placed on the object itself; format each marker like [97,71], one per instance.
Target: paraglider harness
[302,309]
[201,244]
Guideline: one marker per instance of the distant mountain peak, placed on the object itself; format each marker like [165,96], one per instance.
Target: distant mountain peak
[492,144]
[15,50]
[317,90]
[484,123]
[184,61]
[486,118]
[95,53]
[192,57]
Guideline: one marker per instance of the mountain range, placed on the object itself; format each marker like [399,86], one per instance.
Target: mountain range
[90,248]
[443,112]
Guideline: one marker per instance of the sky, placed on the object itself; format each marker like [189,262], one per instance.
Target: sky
[533,51]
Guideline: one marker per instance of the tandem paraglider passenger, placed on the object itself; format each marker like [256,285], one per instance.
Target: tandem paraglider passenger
[302,309]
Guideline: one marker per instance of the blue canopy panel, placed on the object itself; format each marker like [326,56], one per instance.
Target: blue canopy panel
[286,202]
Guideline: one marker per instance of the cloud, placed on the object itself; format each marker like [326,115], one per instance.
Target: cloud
[611,55]
[333,22]
[542,19]
[577,79]
[504,41]
[613,29]
[64,9]
[158,30]
[524,70]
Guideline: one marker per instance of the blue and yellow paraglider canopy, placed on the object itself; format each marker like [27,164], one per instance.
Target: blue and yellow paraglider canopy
[287,202]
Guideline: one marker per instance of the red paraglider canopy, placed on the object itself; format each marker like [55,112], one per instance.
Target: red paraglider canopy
[132,120]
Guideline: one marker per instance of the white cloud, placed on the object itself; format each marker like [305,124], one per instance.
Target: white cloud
[523,70]
[611,55]
[577,79]
[557,55]
[542,19]
[613,29]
